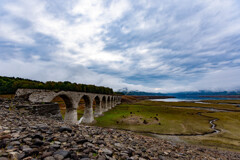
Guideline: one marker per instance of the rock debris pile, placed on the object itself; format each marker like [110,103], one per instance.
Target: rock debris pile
[28,136]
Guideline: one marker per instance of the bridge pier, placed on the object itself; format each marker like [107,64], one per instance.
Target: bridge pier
[71,116]
[109,103]
[113,103]
[88,110]
[99,109]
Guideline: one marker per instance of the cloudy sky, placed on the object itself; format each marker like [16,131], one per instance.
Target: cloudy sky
[158,46]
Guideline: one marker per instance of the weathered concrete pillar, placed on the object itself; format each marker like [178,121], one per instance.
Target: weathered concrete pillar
[106,106]
[119,99]
[98,110]
[115,102]
[109,103]
[71,114]
[103,104]
[88,111]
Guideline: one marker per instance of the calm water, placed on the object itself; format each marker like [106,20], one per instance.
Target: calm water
[195,99]
[173,100]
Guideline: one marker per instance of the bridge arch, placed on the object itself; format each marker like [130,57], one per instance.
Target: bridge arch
[70,110]
[71,99]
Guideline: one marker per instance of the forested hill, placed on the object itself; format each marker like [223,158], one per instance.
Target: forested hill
[9,85]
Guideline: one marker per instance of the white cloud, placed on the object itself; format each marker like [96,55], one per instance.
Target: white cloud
[223,79]
[48,71]
[11,32]
[169,44]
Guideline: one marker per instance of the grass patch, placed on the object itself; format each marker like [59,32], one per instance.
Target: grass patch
[160,119]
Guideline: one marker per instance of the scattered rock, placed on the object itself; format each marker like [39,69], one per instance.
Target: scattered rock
[65,128]
[49,158]
[81,141]
[106,151]
[145,122]
[37,136]
[63,153]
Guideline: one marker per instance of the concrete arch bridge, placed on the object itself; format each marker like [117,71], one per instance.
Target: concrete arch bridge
[104,102]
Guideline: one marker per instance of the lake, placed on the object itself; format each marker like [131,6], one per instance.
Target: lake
[189,99]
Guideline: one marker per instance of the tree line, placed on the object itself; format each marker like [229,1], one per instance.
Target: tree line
[9,85]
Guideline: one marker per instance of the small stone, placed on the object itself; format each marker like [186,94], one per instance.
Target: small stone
[88,150]
[101,158]
[65,128]
[29,158]
[21,155]
[64,153]
[58,157]
[56,146]
[57,142]
[50,139]
[27,150]
[6,131]
[15,143]
[9,147]
[30,151]
[166,153]
[110,158]
[81,141]
[49,158]
[38,142]
[24,147]
[15,135]
[49,132]
[3,144]
[63,139]
[37,136]
[118,145]
[100,142]
[106,151]
[6,106]
[42,126]
[46,154]
[13,155]
[27,139]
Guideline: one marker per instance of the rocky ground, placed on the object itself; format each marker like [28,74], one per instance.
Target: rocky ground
[27,136]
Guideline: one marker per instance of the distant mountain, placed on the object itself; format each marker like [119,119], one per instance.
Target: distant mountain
[125,91]
[202,93]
